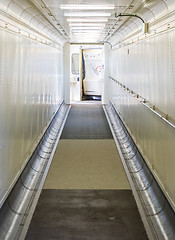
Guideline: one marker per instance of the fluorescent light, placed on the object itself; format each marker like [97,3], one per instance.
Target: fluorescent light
[90,40]
[87,38]
[87,14]
[86,33]
[87,19]
[84,28]
[86,7]
[86,24]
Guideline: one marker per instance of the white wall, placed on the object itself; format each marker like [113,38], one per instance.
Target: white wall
[30,93]
[105,94]
[66,72]
[75,86]
[147,69]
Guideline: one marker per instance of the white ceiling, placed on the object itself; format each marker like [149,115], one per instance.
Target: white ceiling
[47,20]
[92,28]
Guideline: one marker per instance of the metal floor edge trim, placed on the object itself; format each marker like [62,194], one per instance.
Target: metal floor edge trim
[156,213]
[18,209]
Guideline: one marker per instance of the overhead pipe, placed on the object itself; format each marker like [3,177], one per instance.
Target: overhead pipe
[129,15]
[145,24]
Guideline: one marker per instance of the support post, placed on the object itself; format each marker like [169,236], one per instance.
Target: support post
[105,93]
[66,72]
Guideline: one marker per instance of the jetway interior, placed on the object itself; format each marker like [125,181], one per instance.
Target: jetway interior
[37,40]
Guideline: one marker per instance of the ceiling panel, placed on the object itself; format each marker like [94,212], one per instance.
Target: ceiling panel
[48,17]
[89,28]
[79,33]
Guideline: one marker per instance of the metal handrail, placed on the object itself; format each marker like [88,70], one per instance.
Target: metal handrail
[143,101]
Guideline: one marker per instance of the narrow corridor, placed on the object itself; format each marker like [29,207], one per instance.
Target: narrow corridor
[86,194]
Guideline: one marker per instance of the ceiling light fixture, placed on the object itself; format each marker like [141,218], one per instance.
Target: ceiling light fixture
[86,31]
[87,19]
[87,24]
[84,28]
[87,35]
[87,14]
[86,7]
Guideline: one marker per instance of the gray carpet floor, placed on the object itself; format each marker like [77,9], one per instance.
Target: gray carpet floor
[86,215]
[86,121]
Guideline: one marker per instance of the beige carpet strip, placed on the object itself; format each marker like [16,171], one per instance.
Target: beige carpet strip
[86,164]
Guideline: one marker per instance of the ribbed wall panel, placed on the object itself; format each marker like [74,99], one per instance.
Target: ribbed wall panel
[147,68]
[30,93]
